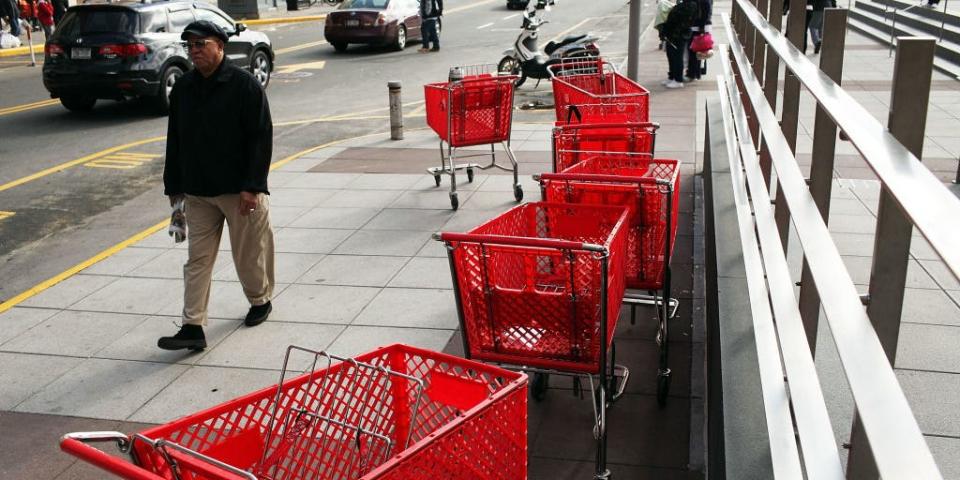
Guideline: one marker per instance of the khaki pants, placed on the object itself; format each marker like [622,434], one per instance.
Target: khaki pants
[251,242]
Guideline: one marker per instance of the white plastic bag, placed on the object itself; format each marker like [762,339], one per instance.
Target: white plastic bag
[8,41]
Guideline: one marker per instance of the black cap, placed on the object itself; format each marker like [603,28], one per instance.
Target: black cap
[204,28]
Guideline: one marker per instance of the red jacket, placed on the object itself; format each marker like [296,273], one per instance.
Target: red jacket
[45,13]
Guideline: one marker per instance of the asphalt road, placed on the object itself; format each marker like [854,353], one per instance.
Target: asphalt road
[111,188]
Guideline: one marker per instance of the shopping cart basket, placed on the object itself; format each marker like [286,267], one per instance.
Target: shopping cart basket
[475,107]
[649,189]
[539,288]
[614,97]
[395,413]
[574,142]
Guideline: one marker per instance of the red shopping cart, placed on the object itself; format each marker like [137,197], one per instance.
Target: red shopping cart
[611,97]
[395,413]
[649,189]
[574,142]
[475,107]
[539,288]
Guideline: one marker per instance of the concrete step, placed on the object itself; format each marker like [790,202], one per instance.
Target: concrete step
[929,13]
[882,35]
[910,18]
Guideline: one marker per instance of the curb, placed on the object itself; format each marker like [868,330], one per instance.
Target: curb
[268,21]
[16,52]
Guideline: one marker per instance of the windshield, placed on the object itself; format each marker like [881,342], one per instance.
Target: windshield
[372,4]
[87,21]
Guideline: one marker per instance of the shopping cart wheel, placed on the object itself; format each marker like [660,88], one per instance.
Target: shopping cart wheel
[538,385]
[454,201]
[518,192]
[470,175]
[663,388]
[436,179]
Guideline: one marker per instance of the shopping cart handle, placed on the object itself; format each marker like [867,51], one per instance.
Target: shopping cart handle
[519,241]
[73,443]
[596,177]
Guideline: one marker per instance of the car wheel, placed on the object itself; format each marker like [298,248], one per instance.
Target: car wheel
[339,46]
[78,103]
[401,41]
[260,67]
[167,80]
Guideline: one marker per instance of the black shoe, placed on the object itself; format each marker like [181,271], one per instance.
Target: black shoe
[435,49]
[190,337]
[257,314]
[816,47]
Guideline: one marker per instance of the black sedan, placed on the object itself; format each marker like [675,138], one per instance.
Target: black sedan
[127,50]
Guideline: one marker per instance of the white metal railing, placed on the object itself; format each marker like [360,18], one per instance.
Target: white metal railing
[895,441]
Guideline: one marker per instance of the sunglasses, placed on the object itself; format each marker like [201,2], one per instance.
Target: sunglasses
[198,44]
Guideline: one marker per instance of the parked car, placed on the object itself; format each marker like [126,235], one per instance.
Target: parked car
[373,22]
[127,50]
[512,4]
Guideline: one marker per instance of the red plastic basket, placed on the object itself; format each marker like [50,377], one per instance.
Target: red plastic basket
[636,182]
[614,97]
[575,142]
[530,287]
[479,109]
[469,423]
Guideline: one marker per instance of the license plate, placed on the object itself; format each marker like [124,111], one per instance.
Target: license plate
[352,23]
[80,53]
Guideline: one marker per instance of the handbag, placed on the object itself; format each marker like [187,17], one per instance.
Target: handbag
[702,42]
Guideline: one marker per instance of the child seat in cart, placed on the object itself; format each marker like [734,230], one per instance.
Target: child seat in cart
[395,413]
[597,93]
[475,107]
[539,288]
[577,141]
[649,190]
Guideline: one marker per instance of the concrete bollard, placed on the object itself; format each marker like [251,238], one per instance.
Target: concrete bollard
[396,111]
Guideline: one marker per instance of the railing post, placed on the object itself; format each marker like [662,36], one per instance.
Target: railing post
[891,252]
[771,80]
[796,28]
[760,44]
[821,168]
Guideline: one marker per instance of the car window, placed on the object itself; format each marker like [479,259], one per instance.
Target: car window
[153,21]
[204,14]
[372,4]
[85,21]
[179,19]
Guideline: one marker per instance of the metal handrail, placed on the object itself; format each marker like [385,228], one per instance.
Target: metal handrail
[893,28]
[896,440]
[921,195]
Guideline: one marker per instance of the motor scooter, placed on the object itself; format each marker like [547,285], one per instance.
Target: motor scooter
[525,58]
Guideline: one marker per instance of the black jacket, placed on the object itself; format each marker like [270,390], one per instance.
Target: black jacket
[431,8]
[676,29]
[219,134]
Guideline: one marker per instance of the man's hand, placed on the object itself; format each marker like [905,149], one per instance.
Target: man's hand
[248,203]
[175,198]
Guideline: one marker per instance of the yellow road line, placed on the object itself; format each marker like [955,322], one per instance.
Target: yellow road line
[66,165]
[28,106]
[269,21]
[294,48]
[5,215]
[7,305]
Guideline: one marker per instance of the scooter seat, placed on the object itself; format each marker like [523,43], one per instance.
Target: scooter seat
[552,46]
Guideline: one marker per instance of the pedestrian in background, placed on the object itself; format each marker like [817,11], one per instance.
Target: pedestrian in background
[219,145]
[816,21]
[703,24]
[430,13]
[806,21]
[11,9]
[676,33]
[45,15]
[59,8]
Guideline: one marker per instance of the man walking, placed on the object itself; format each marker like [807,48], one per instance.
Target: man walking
[11,9]
[430,13]
[219,144]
